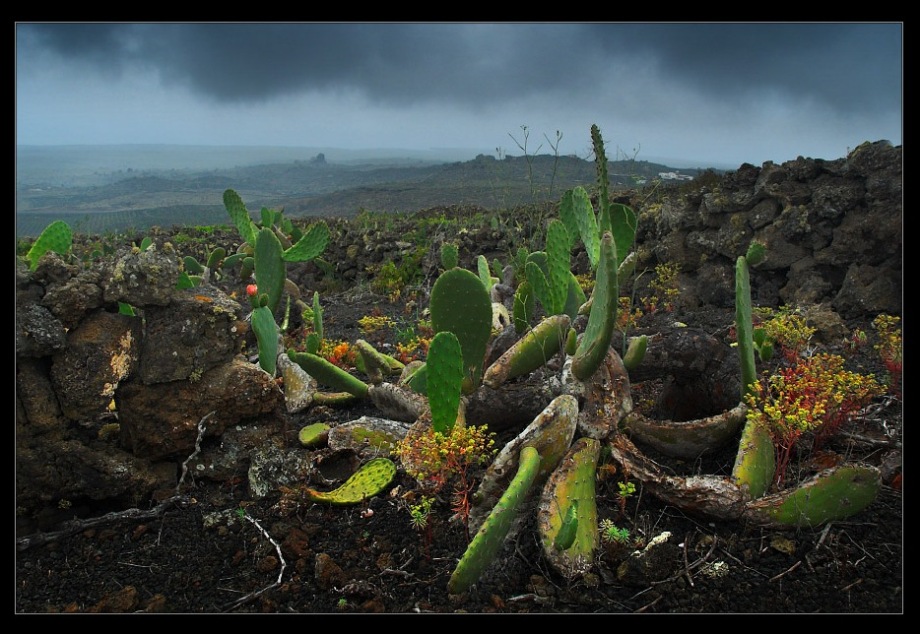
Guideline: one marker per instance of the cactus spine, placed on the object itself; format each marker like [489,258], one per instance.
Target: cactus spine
[491,535]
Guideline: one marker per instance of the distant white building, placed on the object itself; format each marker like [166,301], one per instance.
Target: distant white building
[674,176]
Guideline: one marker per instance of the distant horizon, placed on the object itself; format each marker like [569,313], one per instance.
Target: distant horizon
[444,153]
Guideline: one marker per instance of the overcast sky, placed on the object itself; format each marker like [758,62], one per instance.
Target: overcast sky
[703,94]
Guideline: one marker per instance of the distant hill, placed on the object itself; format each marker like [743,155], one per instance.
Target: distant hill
[95,197]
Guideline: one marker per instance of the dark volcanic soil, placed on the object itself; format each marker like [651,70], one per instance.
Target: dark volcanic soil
[215,549]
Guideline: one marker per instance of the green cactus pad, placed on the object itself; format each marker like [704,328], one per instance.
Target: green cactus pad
[240,216]
[313,435]
[743,325]
[635,352]
[449,255]
[266,330]
[833,494]
[490,537]
[445,380]
[329,374]
[374,364]
[310,245]
[460,304]
[56,237]
[587,225]
[524,306]
[270,270]
[372,478]
[192,266]
[601,322]
[755,462]
[216,258]
[551,433]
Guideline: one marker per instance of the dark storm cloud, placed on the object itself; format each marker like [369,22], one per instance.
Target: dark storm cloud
[845,66]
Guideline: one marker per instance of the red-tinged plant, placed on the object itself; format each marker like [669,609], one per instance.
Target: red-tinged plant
[889,348]
[815,396]
[340,353]
[787,328]
[436,459]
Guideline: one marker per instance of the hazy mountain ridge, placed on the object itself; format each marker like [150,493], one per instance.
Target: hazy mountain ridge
[71,186]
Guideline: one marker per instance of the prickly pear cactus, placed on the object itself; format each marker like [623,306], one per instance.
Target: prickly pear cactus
[313,435]
[460,304]
[449,255]
[372,478]
[491,534]
[310,245]
[635,352]
[240,216]
[551,433]
[833,494]
[270,270]
[601,322]
[329,374]
[266,330]
[530,352]
[445,380]
[571,484]
[56,237]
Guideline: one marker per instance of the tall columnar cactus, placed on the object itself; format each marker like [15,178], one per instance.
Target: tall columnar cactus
[756,460]
[488,541]
[460,304]
[56,237]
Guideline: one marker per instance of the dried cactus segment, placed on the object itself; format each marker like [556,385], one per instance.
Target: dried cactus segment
[572,483]
[530,352]
[372,478]
[551,433]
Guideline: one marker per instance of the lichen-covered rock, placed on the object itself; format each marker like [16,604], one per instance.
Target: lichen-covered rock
[142,278]
[100,353]
[199,330]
